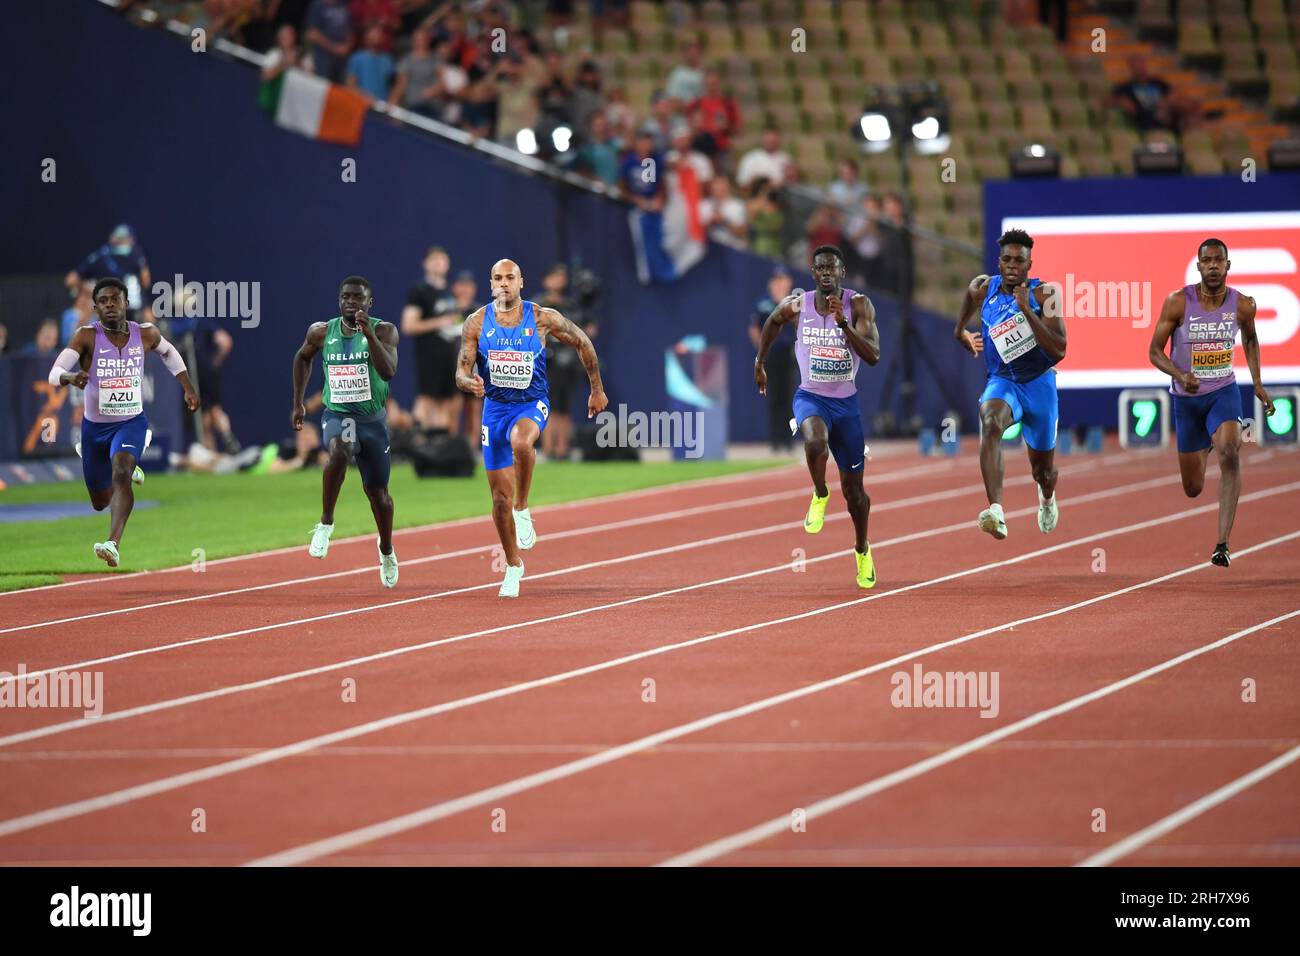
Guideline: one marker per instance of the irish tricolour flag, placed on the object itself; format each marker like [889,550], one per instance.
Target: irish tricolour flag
[670,242]
[315,107]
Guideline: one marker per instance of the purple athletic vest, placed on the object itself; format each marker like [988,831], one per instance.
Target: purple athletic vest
[115,391]
[827,366]
[1202,343]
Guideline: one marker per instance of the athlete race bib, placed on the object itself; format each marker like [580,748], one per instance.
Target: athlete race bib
[829,363]
[510,369]
[1211,360]
[1013,337]
[349,383]
[120,397]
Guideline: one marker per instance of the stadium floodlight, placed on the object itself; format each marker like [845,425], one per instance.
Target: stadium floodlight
[875,128]
[1035,160]
[561,137]
[927,128]
[930,128]
[526,142]
[1157,159]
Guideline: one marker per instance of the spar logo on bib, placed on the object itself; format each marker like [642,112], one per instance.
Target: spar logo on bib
[120,397]
[1013,337]
[829,363]
[508,368]
[1211,360]
[349,383]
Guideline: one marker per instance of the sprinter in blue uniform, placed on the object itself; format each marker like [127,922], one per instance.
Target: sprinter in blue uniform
[503,361]
[1021,342]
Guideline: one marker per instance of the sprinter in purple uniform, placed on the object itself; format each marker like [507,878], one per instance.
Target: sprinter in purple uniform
[1203,321]
[835,332]
[106,358]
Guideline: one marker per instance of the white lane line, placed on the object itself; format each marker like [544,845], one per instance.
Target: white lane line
[1190,812]
[125,714]
[905,502]
[113,716]
[1110,458]
[904,474]
[271,755]
[771,828]
[688,749]
[115,579]
[426,815]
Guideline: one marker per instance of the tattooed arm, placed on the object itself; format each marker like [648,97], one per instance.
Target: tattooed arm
[467,377]
[552,323]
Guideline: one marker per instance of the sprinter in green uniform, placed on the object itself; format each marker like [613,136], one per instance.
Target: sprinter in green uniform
[359,356]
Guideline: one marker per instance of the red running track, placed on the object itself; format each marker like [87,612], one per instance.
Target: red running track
[690,678]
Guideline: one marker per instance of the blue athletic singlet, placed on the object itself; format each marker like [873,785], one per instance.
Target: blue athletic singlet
[1010,349]
[512,360]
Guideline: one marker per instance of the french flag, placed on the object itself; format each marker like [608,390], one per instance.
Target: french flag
[669,242]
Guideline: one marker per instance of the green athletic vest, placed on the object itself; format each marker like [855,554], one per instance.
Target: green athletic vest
[351,383]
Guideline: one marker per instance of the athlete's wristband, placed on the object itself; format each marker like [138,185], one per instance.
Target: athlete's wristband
[171,358]
[67,361]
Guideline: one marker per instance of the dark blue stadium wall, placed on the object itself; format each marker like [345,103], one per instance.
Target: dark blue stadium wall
[147,132]
[1130,196]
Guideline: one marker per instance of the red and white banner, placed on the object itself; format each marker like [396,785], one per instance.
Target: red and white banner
[1115,271]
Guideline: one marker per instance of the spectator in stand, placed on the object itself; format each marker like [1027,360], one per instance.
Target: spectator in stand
[847,190]
[452,28]
[384,13]
[896,268]
[371,70]
[702,141]
[417,86]
[719,115]
[622,120]
[782,367]
[46,343]
[685,84]
[646,193]
[823,227]
[563,368]
[329,37]
[723,215]
[601,153]
[684,154]
[77,314]
[479,112]
[516,101]
[555,93]
[586,97]
[1150,102]
[284,55]
[766,161]
[664,122]
[767,220]
[452,81]
[4,340]
[863,232]
[430,321]
[120,258]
